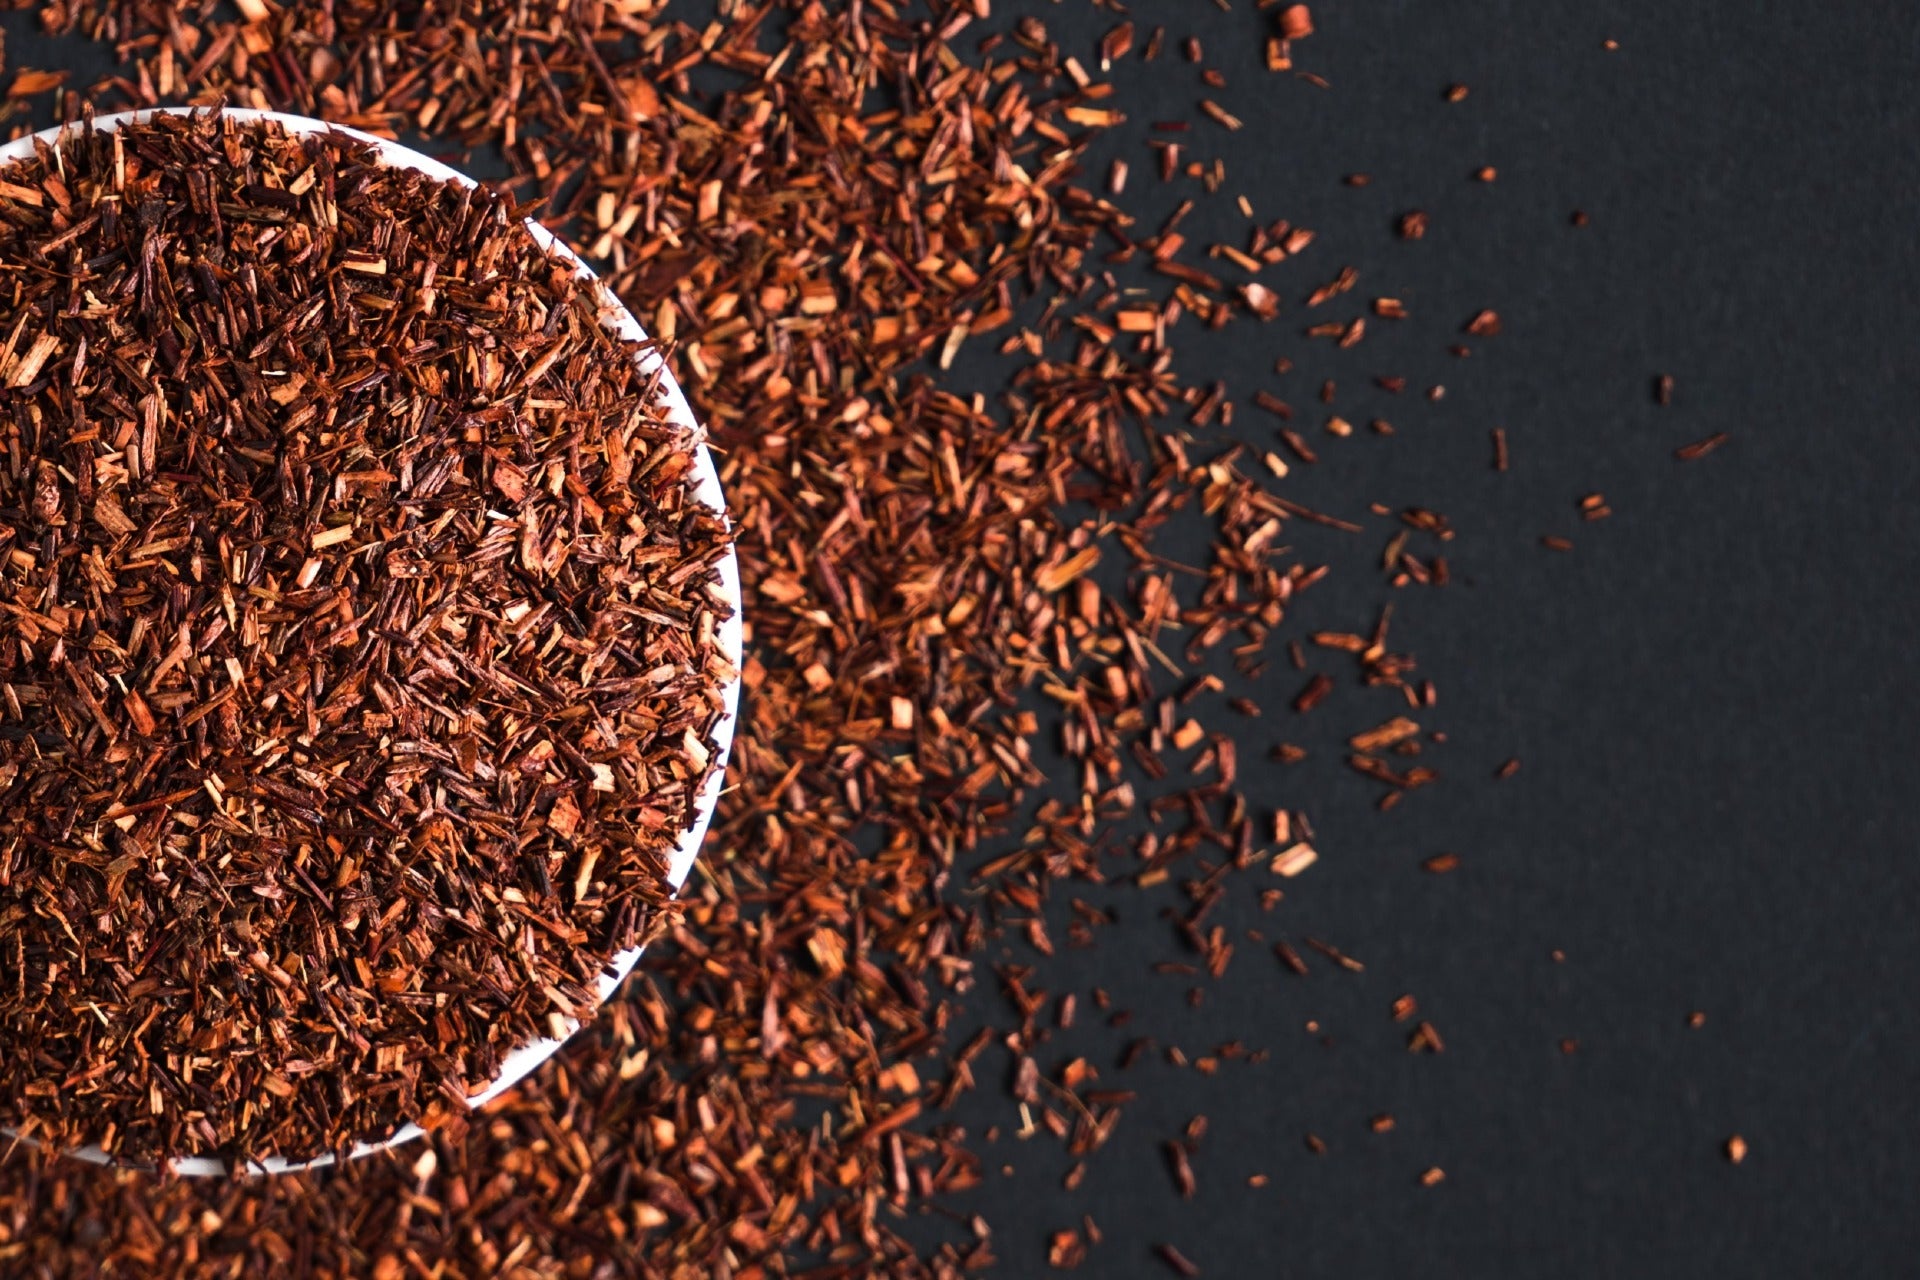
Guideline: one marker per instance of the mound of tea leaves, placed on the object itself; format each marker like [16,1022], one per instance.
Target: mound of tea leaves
[359,659]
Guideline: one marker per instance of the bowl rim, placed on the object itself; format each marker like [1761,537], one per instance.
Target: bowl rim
[521,1061]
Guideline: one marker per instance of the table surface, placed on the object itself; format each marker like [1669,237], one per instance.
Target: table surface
[1707,692]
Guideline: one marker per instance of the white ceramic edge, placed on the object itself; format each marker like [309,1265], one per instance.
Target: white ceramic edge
[523,1060]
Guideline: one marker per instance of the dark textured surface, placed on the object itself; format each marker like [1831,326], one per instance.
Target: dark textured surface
[1708,693]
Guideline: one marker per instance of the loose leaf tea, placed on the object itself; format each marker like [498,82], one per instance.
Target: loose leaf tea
[926,570]
[358,641]
[984,695]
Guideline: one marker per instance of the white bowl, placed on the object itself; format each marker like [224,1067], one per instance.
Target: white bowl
[617,318]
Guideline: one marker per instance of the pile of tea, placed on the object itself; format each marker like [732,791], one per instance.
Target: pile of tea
[359,659]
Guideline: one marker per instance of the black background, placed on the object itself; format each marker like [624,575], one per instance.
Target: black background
[1710,693]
